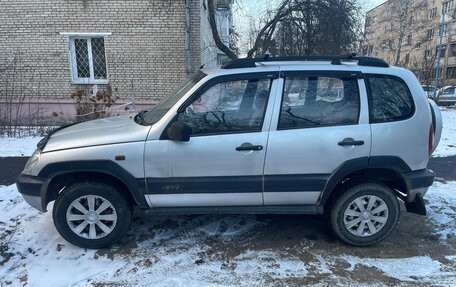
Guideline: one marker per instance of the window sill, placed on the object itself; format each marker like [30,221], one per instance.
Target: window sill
[90,82]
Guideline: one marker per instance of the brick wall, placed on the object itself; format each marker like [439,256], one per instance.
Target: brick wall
[147,44]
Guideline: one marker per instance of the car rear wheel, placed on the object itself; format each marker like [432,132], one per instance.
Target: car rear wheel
[364,214]
[92,214]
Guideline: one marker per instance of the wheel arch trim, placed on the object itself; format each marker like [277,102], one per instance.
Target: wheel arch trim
[392,163]
[135,187]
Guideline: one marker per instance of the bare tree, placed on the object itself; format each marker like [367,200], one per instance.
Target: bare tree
[264,33]
[298,27]
[306,29]
[406,22]
[215,34]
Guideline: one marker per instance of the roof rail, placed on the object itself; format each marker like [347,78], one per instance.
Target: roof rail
[335,60]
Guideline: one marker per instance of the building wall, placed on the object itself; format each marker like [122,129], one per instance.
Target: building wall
[383,31]
[146,45]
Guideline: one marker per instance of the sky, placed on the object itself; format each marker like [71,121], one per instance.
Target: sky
[369,4]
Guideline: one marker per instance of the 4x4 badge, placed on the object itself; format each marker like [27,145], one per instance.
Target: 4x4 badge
[171,187]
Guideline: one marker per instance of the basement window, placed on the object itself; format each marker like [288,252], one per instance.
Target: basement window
[88,58]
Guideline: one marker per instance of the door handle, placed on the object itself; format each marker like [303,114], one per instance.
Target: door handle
[350,142]
[249,146]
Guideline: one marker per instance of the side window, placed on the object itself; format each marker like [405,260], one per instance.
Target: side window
[389,99]
[311,101]
[449,91]
[228,107]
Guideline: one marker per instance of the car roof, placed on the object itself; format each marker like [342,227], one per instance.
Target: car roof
[275,66]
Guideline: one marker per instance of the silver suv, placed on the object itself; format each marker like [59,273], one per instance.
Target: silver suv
[340,136]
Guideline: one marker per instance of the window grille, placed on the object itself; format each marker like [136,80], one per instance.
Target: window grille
[88,60]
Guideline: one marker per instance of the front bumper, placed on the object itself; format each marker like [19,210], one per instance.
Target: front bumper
[30,188]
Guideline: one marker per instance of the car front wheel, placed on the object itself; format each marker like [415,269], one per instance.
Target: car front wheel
[365,214]
[92,214]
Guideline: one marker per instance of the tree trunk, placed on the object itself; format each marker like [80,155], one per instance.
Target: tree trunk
[398,53]
[218,42]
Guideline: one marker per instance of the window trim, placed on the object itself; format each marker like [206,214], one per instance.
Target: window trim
[71,36]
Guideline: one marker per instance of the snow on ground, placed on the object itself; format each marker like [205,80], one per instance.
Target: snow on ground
[447,145]
[441,208]
[18,146]
[178,253]
[34,247]
[423,266]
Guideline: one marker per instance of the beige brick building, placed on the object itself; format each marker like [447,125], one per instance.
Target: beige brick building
[50,49]
[406,33]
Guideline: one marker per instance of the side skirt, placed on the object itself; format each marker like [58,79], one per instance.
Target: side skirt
[271,209]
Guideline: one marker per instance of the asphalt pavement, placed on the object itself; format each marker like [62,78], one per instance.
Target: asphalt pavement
[11,167]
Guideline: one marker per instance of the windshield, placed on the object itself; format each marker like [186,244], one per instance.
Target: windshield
[157,112]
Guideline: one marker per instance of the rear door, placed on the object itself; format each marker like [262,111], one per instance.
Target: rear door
[321,124]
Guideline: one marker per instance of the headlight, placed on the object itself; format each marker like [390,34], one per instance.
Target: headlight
[33,160]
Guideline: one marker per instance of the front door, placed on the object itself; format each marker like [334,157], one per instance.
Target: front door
[222,164]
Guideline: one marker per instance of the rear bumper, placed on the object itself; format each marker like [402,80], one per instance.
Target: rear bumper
[418,183]
[30,188]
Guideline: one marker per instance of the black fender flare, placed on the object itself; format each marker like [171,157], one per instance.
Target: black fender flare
[393,163]
[136,187]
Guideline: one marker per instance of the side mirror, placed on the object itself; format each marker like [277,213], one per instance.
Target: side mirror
[179,131]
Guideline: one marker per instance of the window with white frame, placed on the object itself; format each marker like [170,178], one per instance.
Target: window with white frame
[88,58]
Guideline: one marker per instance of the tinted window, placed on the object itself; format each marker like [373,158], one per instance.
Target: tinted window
[389,99]
[319,101]
[228,107]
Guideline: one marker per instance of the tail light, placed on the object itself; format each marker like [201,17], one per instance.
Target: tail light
[431,139]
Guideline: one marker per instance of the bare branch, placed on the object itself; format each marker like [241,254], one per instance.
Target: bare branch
[282,11]
[213,24]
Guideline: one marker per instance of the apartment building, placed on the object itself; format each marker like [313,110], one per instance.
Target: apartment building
[52,52]
[406,33]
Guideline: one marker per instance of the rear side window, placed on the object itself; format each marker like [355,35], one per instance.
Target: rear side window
[389,99]
[313,101]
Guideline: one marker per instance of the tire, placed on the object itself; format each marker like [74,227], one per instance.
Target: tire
[92,214]
[372,222]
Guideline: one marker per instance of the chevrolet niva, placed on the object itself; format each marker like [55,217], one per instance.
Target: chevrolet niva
[342,136]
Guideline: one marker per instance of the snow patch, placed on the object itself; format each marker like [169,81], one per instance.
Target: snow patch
[447,145]
[441,207]
[268,262]
[423,266]
[230,225]
[18,146]
[39,255]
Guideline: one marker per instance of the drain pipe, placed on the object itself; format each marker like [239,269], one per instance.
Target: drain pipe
[187,37]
